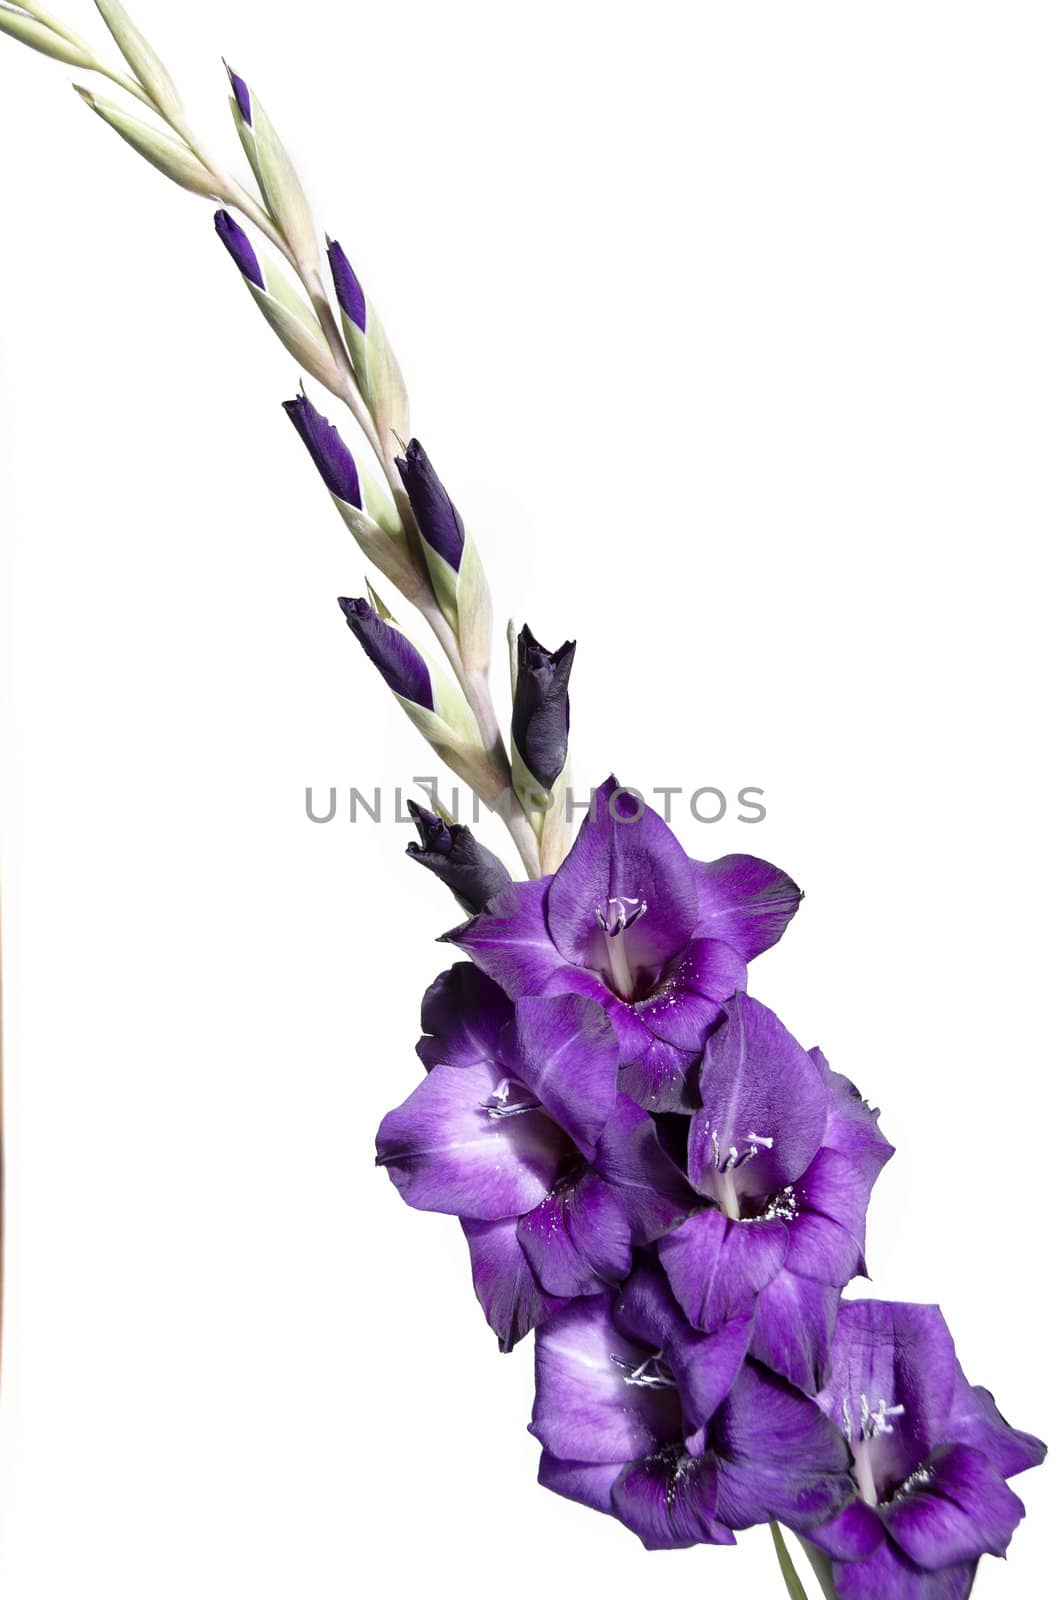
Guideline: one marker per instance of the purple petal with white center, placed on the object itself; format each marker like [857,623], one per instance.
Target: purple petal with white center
[745,902]
[445,1151]
[717,1267]
[764,1108]
[505,1285]
[509,941]
[778,1456]
[590,1483]
[348,289]
[648,1185]
[327,450]
[241,94]
[462,1014]
[399,662]
[687,1003]
[853,1535]
[975,1420]
[704,1366]
[239,247]
[437,515]
[564,1050]
[669,1500]
[794,1324]
[962,1510]
[889,1575]
[577,1240]
[625,858]
[887,1356]
[585,1409]
[852,1126]
[827,1233]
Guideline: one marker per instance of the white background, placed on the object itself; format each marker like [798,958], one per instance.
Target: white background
[736,333]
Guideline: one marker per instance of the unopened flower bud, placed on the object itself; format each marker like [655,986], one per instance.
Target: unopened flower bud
[453,563]
[36,34]
[239,247]
[375,368]
[470,871]
[276,176]
[396,658]
[287,313]
[168,155]
[146,65]
[327,450]
[541,708]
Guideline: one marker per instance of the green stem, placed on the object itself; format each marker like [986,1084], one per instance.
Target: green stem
[794,1587]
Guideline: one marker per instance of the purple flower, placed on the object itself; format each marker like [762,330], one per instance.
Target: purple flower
[327,450]
[517,1130]
[348,289]
[540,707]
[785,1153]
[241,94]
[437,516]
[629,920]
[399,662]
[931,1454]
[673,1431]
[239,247]
[471,871]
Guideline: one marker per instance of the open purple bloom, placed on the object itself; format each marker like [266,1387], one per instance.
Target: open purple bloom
[399,662]
[241,94]
[327,450]
[540,707]
[348,290]
[673,1431]
[437,516]
[629,920]
[931,1454]
[472,872]
[518,1131]
[239,247]
[784,1153]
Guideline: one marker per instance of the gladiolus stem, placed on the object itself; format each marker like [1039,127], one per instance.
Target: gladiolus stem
[794,1587]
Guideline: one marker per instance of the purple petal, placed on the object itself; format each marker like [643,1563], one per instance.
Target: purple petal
[889,1575]
[564,1050]
[745,902]
[327,450]
[794,1326]
[399,662]
[509,940]
[852,1126]
[853,1535]
[587,1482]
[892,1355]
[717,1267]
[462,1014]
[445,1152]
[618,864]
[964,1510]
[827,1234]
[686,1004]
[661,1077]
[437,516]
[778,1456]
[669,1500]
[652,1191]
[704,1365]
[763,1099]
[584,1409]
[505,1286]
[975,1420]
[239,247]
[241,94]
[577,1240]
[348,289]
[541,708]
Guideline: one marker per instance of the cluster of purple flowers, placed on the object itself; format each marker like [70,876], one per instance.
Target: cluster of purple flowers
[656,1177]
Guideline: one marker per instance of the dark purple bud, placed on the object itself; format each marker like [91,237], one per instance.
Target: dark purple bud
[241,94]
[239,247]
[540,707]
[437,516]
[470,871]
[328,452]
[400,664]
[348,289]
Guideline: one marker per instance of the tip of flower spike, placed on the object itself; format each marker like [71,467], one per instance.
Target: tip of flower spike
[348,290]
[354,610]
[241,93]
[327,450]
[239,247]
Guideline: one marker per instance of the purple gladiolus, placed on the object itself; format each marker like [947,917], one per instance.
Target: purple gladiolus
[239,247]
[241,94]
[518,1130]
[541,708]
[437,516]
[470,871]
[927,1495]
[348,289]
[784,1153]
[659,940]
[327,450]
[673,1431]
[399,662]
